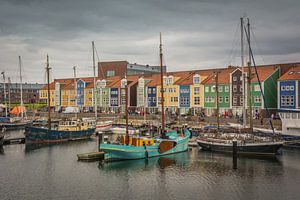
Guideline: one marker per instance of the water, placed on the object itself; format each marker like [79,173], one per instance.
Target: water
[53,172]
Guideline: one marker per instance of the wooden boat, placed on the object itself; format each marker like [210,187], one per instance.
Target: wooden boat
[122,130]
[13,123]
[246,143]
[103,125]
[65,131]
[135,147]
[142,147]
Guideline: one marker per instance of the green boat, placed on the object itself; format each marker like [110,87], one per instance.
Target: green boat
[129,148]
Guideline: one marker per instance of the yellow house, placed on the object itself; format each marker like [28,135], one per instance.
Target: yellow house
[68,95]
[171,92]
[88,95]
[43,93]
[197,89]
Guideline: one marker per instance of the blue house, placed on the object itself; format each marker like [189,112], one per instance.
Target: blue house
[114,98]
[288,89]
[151,98]
[184,99]
[80,92]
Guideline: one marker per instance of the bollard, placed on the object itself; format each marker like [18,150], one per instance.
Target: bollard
[99,141]
[234,153]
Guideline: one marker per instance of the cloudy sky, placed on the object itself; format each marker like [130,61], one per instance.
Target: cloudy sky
[197,34]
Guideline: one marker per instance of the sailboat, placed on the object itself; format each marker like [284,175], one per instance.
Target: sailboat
[68,130]
[247,142]
[13,123]
[136,147]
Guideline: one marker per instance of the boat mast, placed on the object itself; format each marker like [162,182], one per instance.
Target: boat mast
[94,93]
[75,91]
[48,88]
[217,98]
[162,87]
[243,74]
[126,113]
[21,86]
[249,80]
[9,85]
[3,74]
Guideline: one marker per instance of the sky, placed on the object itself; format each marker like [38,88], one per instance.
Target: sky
[196,34]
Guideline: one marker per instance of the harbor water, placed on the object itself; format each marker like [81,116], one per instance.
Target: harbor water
[53,172]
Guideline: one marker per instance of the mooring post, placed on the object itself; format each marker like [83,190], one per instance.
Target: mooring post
[234,153]
[99,141]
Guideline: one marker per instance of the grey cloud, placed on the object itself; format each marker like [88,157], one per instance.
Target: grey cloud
[196,33]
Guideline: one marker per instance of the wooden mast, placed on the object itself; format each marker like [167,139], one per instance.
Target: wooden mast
[243,74]
[162,87]
[3,74]
[9,86]
[75,92]
[217,98]
[249,80]
[48,82]
[126,113]
[21,86]
[94,69]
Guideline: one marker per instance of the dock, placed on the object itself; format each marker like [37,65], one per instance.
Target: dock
[19,140]
[92,156]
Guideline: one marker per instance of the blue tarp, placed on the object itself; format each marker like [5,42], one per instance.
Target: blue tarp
[4,119]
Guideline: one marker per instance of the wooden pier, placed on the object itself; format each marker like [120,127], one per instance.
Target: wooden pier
[92,156]
[8,141]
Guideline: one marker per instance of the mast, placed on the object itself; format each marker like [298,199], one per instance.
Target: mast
[75,90]
[217,99]
[94,93]
[126,113]
[48,88]
[21,86]
[249,80]
[243,74]
[162,87]
[3,74]
[9,85]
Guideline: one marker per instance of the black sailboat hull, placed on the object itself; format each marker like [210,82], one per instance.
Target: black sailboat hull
[268,148]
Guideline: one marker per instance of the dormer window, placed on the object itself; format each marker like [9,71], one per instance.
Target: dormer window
[196,79]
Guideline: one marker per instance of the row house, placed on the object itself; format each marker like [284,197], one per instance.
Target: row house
[210,94]
[289,90]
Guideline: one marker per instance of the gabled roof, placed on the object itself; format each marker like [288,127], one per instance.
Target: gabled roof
[224,76]
[292,74]
[263,72]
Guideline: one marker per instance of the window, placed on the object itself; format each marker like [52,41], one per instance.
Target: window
[149,90]
[234,78]
[110,73]
[220,99]
[226,88]
[206,99]
[196,80]
[241,89]
[256,88]
[257,99]
[234,88]
[287,88]
[220,89]
[291,87]
[175,99]
[234,100]
[226,100]
[282,88]
[171,99]
[196,90]
[213,88]
[206,89]
[241,78]
[197,100]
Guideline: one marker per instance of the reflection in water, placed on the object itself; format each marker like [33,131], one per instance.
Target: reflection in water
[162,162]
[53,172]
